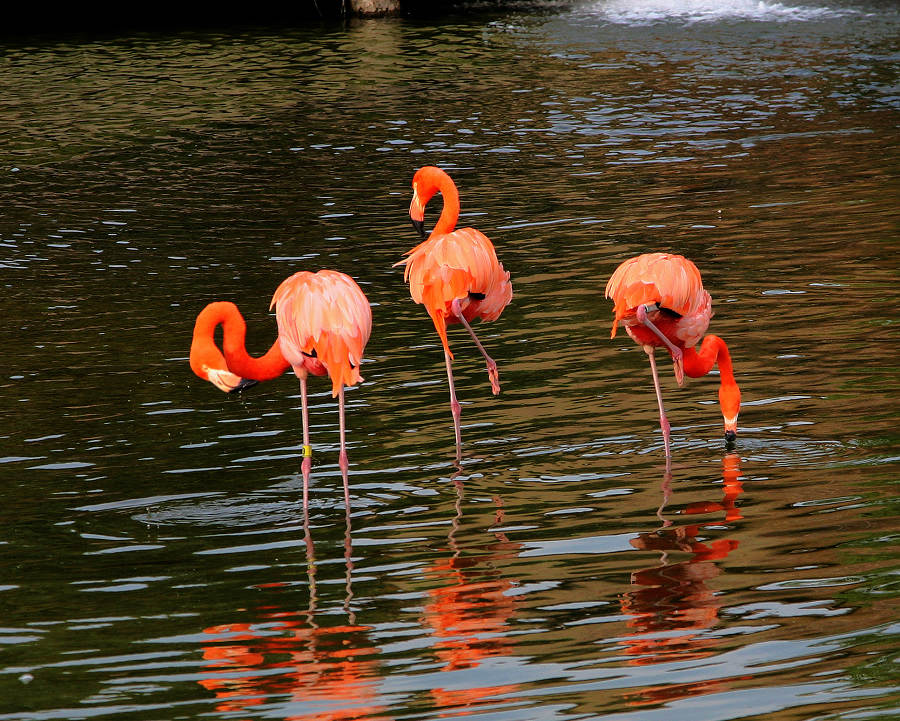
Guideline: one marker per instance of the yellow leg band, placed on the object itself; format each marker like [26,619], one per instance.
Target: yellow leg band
[307,452]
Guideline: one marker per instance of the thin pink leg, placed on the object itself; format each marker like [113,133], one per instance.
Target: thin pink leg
[676,352]
[493,373]
[454,407]
[663,421]
[342,459]
[306,463]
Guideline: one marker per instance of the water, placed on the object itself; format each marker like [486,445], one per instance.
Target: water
[156,563]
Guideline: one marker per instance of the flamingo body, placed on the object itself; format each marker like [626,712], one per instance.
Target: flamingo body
[670,281]
[661,301]
[324,323]
[452,264]
[454,273]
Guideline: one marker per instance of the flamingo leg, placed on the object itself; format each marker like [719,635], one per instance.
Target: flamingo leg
[454,407]
[663,421]
[342,460]
[306,463]
[493,374]
[674,350]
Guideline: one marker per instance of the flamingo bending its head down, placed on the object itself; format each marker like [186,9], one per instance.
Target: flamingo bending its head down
[324,322]
[455,274]
[660,299]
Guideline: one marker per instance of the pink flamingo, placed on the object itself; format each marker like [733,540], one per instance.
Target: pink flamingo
[659,298]
[455,274]
[324,322]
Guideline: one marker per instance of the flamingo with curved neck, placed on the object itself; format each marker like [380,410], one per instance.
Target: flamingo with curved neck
[455,274]
[324,322]
[660,299]
[231,369]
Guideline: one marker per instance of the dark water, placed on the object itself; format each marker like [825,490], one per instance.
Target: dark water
[154,558]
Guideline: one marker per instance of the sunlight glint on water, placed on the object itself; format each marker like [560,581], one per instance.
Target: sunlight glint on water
[638,12]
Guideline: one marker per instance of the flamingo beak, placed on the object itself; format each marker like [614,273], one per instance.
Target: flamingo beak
[730,431]
[243,385]
[227,381]
[417,214]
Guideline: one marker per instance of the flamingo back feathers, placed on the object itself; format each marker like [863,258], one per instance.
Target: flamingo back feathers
[325,314]
[451,266]
[672,281]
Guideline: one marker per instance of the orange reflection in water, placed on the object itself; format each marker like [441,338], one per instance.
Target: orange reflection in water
[332,668]
[285,657]
[673,604]
[469,612]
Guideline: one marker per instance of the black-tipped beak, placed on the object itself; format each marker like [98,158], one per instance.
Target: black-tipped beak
[730,438]
[243,385]
[419,225]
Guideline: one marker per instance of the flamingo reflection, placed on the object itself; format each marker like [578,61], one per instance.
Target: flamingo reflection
[672,604]
[330,672]
[468,613]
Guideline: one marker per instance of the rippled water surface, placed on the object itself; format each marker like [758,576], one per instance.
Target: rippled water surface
[155,561]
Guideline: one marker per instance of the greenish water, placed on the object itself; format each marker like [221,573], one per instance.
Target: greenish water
[155,562]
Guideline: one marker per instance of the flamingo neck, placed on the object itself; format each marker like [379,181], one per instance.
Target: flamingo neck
[450,211]
[271,365]
[713,351]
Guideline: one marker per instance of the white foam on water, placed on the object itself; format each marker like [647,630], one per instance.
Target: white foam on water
[643,12]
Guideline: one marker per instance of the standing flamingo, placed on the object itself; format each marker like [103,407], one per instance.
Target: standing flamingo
[455,274]
[324,322]
[659,298]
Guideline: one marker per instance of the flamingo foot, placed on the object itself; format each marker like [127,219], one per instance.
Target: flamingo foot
[678,365]
[674,350]
[494,375]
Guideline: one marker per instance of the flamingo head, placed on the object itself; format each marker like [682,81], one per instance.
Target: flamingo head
[423,191]
[207,360]
[227,381]
[427,181]
[730,402]
[417,212]
[209,367]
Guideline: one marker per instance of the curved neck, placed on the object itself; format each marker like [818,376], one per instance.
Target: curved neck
[271,365]
[712,351]
[450,212]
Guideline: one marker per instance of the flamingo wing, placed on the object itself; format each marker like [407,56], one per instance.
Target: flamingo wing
[456,266]
[671,281]
[325,314]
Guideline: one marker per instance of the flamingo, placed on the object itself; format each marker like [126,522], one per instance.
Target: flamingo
[659,298]
[455,274]
[324,322]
